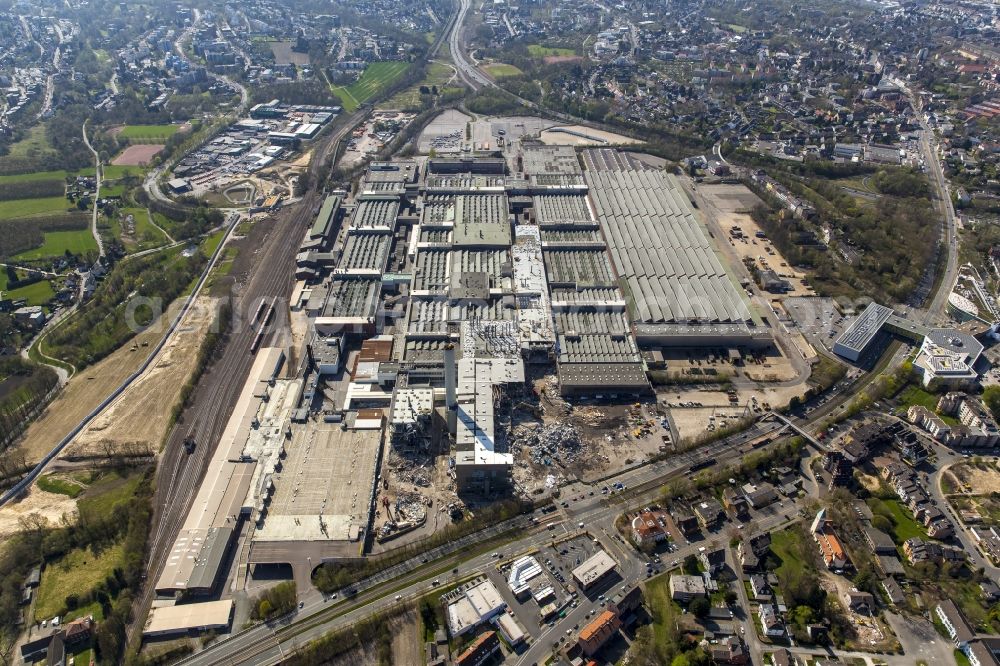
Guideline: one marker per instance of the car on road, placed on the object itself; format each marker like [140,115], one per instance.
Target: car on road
[301,604]
[398,597]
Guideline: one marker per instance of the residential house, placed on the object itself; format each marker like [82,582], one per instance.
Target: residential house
[649,528]
[770,622]
[879,542]
[761,590]
[760,496]
[860,602]
[713,560]
[684,588]
[597,633]
[736,502]
[751,551]
[729,650]
[954,623]
[709,513]
[893,591]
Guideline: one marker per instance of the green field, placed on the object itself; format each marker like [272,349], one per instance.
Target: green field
[106,493]
[44,175]
[376,78]
[78,241]
[29,207]
[38,293]
[80,571]
[54,484]
[539,51]
[148,133]
[35,141]
[438,75]
[146,235]
[903,525]
[119,171]
[499,70]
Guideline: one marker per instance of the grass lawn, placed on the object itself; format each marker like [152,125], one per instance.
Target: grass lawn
[782,544]
[499,70]
[737,28]
[28,207]
[53,484]
[539,51]
[79,571]
[41,175]
[106,493]
[118,171]
[115,190]
[38,293]
[376,77]
[915,395]
[437,75]
[77,241]
[148,133]
[903,525]
[35,142]
[211,243]
[961,659]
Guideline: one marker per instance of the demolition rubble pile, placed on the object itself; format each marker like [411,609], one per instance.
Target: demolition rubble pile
[553,443]
[408,512]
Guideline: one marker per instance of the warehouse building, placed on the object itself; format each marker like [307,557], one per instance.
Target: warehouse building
[224,497]
[593,570]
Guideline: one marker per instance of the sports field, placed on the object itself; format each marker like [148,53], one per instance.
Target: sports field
[376,77]
[77,241]
[499,70]
[539,51]
[148,133]
[29,207]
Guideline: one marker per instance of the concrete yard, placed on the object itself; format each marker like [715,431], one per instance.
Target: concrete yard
[325,486]
[732,204]
[445,134]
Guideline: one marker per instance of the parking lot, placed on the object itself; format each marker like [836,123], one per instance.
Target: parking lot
[816,318]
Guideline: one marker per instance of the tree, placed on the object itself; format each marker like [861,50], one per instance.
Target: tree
[991,396]
[691,565]
[700,607]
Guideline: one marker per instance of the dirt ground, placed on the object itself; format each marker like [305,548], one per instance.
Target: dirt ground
[977,480]
[407,643]
[84,392]
[50,506]
[870,632]
[142,414]
[732,204]
[555,137]
[692,422]
[138,155]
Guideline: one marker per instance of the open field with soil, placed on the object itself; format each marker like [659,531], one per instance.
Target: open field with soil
[141,416]
[139,154]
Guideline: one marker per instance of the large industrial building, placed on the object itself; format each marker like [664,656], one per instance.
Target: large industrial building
[947,357]
[475,269]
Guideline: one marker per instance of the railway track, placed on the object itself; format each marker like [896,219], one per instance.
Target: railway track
[179,475]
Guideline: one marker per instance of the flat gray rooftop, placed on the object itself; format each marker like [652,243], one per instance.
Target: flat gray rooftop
[661,252]
[864,328]
[352,297]
[325,486]
[481,220]
[539,160]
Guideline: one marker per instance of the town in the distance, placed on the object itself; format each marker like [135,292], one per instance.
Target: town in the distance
[433,332]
